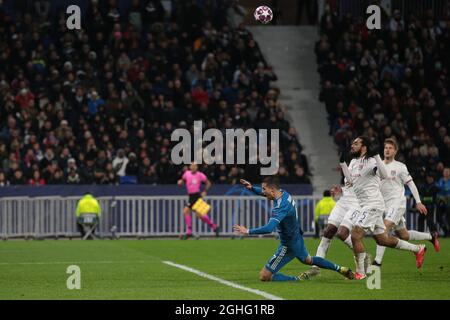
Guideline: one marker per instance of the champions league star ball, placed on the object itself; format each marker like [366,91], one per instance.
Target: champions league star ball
[263,14]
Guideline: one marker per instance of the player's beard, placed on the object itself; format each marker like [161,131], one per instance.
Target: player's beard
[356,154]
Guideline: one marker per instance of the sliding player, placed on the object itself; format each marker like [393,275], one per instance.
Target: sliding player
[364,170]
[193,180]
[284,217]
[393,191]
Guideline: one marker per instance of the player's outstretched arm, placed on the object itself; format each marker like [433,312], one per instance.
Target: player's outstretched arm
[346,172]
[268,228]
[180,182]
[381,167]
[240,229]
[420,207]
[251,187]
[246,184]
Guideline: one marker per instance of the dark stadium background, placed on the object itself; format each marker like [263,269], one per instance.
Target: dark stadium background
[71,100]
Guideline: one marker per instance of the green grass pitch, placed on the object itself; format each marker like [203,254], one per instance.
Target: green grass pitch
[133,269]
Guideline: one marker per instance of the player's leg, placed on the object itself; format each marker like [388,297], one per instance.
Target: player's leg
[322,249]
[325,241]
[357,235]
[344,231]
[345,236]
[384,239]
[381,249]
[335,219]
[410,235]
[302,254]
[392,218]
[270,272]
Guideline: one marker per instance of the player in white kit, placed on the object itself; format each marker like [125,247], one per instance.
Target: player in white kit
[339,222]
[393,192]
[365,172]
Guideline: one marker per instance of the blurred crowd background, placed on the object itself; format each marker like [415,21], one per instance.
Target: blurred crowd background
[99,105]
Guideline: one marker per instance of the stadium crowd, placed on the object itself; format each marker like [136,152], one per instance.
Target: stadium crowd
[392,82]
[98,105]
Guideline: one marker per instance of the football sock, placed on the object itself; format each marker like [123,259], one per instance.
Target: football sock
[323,247]
[208,221]
[380,253]
[359,260]
[188,221]
[416,235]
[324,263]
[405,245]
[283,277]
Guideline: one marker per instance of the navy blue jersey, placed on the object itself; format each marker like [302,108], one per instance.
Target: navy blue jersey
[283,217]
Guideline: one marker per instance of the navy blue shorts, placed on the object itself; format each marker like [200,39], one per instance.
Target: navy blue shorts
[285,254]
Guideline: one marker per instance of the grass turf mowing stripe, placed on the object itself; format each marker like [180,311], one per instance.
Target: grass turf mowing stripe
[222,281]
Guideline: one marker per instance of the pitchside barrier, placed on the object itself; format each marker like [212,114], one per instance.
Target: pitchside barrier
[144,216]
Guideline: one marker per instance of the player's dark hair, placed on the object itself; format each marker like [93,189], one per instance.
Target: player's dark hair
[272,181]
[371,148]
[327,193]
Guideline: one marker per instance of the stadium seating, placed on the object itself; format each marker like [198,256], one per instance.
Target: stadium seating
[389,82]
[126,81]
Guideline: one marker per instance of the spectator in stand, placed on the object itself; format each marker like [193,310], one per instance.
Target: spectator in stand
[17,178]
[124,85]
[36,180]
[428,192]
[73,177]
[443,200]
[392,83]
[94,103]
[3,181]
[120,163]
[25,99]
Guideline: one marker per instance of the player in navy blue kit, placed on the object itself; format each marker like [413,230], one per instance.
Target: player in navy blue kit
[284,216]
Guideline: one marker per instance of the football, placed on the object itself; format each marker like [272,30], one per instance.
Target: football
[263,14]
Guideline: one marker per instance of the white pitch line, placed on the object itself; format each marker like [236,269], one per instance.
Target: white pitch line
[222,281]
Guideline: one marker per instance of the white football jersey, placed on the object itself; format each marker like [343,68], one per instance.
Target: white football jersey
[393,188]
[366,183]
[348,195]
